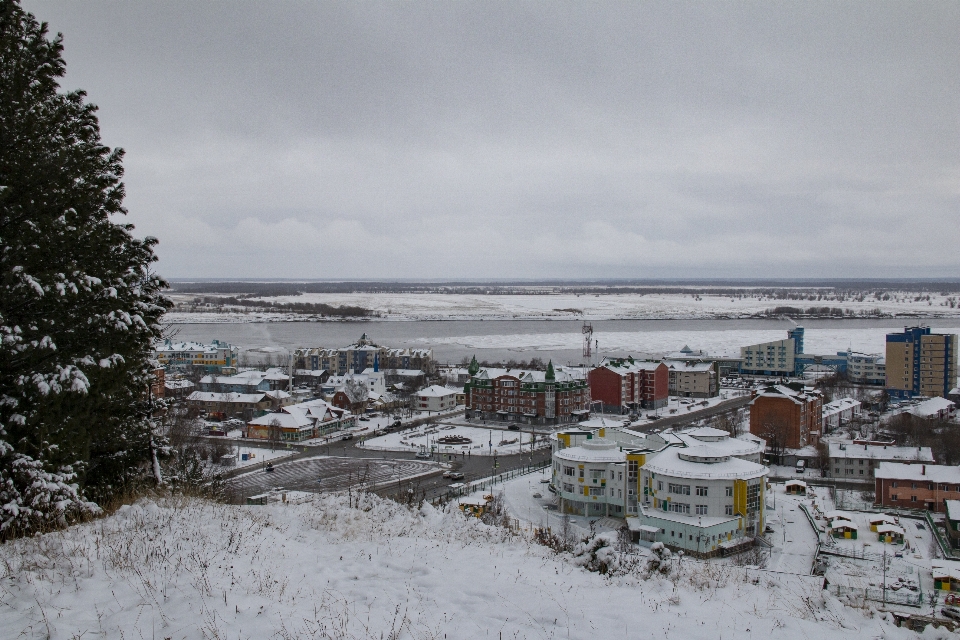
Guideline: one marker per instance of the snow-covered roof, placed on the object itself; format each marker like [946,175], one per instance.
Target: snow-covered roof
[890,528]
[178,384]
[670,463]
[310,372]
[436,391]
[879,452]
[833,515]
[918,472]
[213,396]
[882,518]
[716,438]
[594,450]
[781,391]
[691,366]
[932,407]
[562,374]
[795,483]
[839,405]
[840,523]
[953,509]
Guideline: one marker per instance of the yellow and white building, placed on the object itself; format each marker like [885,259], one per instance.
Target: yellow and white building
[214,357]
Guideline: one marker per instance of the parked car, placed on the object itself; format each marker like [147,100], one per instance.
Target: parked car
[423,455]
[514,427]
[544,480]
[347,436]
[455,475]
[951,612]
[364,419]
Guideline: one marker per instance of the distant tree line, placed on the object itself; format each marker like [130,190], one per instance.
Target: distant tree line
[344,311]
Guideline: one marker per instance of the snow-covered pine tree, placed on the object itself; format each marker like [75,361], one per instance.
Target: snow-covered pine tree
[79,307]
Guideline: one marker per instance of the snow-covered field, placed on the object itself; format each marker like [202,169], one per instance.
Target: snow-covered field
[433,306]
[325,569]
[483,442]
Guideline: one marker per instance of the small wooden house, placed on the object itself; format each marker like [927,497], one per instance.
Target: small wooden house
[474,505]
[946,578]
[843,529]
[880,520]
[890,533]
[796,487]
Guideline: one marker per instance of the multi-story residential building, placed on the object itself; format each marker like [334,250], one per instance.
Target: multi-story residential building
[535,397]
[840,412]
[694,379]
[860,461]
[777,358]
[864,368]
[298,422]
[362,355]
[916,486]
[920,363]
[624,385]
[787,418]
[212,358]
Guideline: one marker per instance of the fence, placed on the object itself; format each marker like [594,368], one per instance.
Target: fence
[945,548]
[906,598]
[488,483]
[851,553]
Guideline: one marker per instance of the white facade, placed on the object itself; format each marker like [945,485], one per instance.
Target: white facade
[860,461]
[436,398]
[839,412]
[865,368]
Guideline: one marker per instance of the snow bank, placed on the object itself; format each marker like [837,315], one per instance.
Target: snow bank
[325,569]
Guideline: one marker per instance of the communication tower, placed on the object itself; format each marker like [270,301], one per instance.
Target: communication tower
[587,331]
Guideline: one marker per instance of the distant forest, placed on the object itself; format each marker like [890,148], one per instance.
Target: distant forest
[227,303]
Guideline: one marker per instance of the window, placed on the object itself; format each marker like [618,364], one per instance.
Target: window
[894,484]
[596,474]
[679,507]
[659,486]
[581,472]
[729,491]
[597,491]
[913,498]
[568,471]
[679,489]
[893,497]
[568,487]
[701,510]
[861,471]
[728,510]
[701,491]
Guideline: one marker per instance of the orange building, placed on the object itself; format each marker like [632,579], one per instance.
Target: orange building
[787,418]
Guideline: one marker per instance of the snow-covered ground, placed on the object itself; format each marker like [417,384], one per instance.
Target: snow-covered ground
[483,442]
[257,455]
[431,306]
[325,569]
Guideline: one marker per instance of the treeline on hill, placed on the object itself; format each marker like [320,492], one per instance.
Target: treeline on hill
[822,312]
[827,290]
[208,303]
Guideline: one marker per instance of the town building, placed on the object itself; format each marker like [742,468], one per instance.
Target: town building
[701,499]
[847,461]
[214,357]
[299,422]
[786,417]
[311,378]
[839,412]
[238,405]
[250,381]
[714,483]
[933,409]
[436,398]
[864,368]
[694,378]
[624,385]
[177,388]
[726,365]
[362,355]
[776,358]
[916,486]
[920,363]
[554,396]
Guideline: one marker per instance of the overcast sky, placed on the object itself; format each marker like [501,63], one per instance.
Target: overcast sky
[530,139]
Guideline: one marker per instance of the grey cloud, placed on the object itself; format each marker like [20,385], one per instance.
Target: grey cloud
[530,139]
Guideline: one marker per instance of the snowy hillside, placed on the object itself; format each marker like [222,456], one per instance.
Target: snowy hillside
[194,569]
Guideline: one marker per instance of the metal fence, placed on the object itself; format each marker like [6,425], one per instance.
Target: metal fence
[945,548]
[488,483]
[901,597]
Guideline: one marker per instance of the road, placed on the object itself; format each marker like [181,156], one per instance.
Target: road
[341,464]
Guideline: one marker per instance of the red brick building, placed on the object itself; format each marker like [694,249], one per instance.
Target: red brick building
[787,418]
[916,486]
[534,397]
[622,385]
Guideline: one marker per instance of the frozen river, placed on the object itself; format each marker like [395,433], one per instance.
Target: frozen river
[557,339]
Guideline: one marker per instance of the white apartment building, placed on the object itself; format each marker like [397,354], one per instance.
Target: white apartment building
[839,412]
[865,368]
[860,461]
[691,379]
[775,358]
[436,398]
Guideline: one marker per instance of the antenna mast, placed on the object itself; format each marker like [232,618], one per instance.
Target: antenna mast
[587,331]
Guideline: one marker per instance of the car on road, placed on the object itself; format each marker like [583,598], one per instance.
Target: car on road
[455,475]
[951,612]
[514,427]
[347,436]
[544,480]
[423,455]
[364,419]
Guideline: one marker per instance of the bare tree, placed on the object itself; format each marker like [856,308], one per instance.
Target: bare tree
[274,433]
[776,431]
